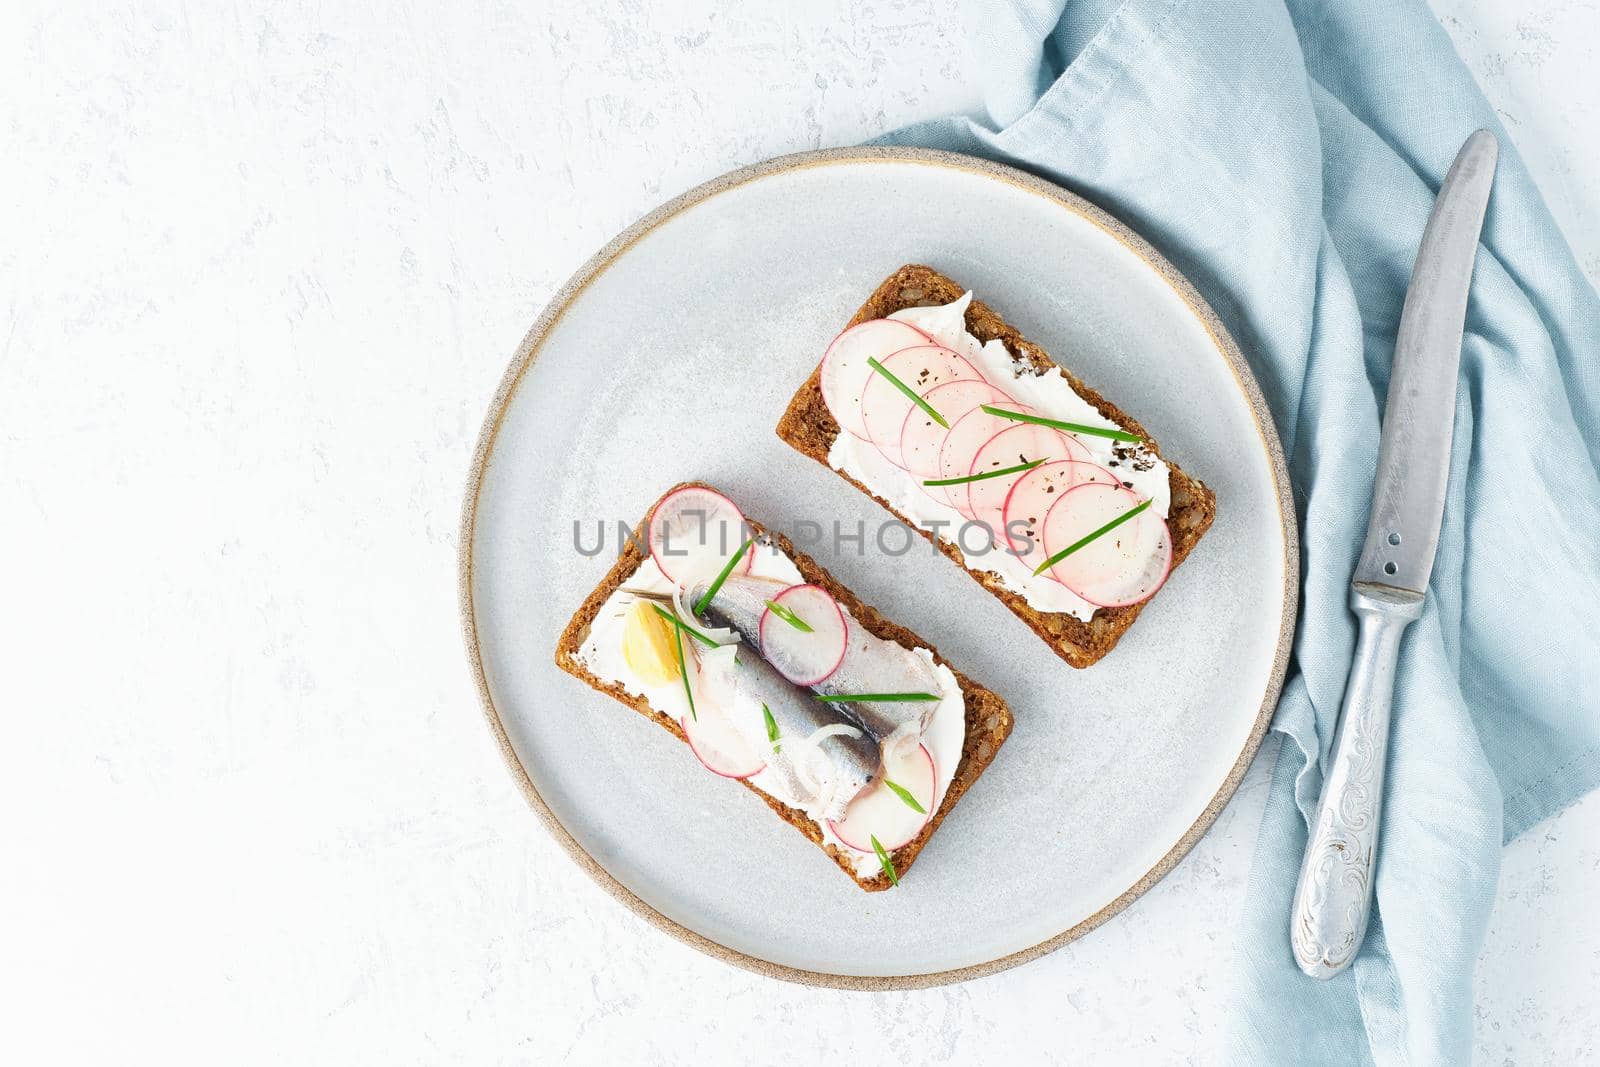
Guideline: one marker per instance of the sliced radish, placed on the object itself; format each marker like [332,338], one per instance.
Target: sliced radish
[1123,566]
[1031,498]
[880,812]
[719,745]
[1140,586]
[693,531]
[805,657]
[919,368]
[967,435]
[1020,442]
[845,370]
[921,438]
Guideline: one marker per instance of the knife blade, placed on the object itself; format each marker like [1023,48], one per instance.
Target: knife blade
[1419,414]
[1333,898]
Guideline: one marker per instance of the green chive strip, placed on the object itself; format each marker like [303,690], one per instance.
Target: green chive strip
[1070,427]
[727,569]
[772,728]
[1002,472]
[683,669]
[685,627]
[883,858]
[843,698]
[789,617]
[905,794]
[906,389]
[1080,542]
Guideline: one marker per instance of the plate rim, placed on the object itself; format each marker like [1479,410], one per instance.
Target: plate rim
[527,352]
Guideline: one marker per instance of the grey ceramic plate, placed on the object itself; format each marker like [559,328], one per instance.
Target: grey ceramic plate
[670,356]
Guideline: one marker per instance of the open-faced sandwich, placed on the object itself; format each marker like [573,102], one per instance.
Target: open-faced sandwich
[1044,491]
[850,727]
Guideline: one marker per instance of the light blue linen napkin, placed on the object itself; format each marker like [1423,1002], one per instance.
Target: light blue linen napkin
[1285,157]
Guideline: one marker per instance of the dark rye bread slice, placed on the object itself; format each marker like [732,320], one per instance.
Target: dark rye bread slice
[809,427]
[988,717]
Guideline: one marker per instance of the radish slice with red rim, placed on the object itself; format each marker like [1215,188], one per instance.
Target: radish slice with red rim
[919,368]
[1020,442]
[921,438]
[1030,499]
[1140,586]
[719,745]
[878,811]
[693,531]
[1122,566]
[967,435]
[845,369]
[804,656]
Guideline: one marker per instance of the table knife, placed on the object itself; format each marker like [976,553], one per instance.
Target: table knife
[1333,898]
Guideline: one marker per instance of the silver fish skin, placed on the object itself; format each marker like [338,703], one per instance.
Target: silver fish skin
[870,665]
[855,759]
[739,604]
[873,665]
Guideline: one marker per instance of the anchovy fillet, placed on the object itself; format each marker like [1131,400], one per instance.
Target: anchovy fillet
[753,682]
[870,665]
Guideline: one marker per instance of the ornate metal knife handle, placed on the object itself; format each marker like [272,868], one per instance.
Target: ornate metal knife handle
[1334,894]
